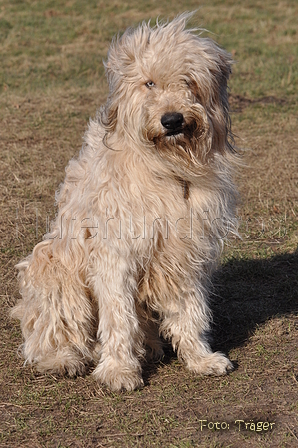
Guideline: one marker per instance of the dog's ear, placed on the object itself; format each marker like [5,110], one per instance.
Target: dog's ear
[209,85]
[122,54]
[120,58]
[109,112]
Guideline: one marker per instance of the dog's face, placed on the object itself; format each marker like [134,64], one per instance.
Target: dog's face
[168,90]
[174,120]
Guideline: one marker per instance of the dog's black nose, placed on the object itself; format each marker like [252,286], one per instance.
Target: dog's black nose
[172,121]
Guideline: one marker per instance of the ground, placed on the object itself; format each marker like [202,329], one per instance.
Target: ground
[51,81]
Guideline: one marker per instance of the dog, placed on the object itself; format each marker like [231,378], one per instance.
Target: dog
[142,217]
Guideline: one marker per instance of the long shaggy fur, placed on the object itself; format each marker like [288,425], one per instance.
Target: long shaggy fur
[142,216]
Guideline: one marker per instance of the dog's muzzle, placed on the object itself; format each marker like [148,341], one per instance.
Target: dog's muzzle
[172,122]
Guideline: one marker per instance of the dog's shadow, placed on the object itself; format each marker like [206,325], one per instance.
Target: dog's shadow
[246,293]
[249,292]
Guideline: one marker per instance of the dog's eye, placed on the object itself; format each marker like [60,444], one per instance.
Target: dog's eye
[150,84]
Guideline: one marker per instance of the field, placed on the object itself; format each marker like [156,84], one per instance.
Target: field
[51,81]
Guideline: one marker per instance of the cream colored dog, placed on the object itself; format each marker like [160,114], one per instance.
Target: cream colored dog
[142,216]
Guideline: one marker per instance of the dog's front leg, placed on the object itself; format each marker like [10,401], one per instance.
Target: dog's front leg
[119,332]
[187,328]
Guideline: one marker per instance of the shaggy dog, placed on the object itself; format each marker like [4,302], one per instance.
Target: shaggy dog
[142,215]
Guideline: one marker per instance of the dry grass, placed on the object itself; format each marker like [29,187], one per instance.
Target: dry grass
[51,81]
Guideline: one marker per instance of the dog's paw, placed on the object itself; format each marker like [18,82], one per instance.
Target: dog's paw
[62,362]
[71,367]
[119,378]
[212,364]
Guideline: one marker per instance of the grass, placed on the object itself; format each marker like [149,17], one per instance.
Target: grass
[51,81]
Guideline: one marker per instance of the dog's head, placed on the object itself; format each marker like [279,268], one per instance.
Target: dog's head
[168,90]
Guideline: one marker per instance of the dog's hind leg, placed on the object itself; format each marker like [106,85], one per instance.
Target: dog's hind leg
[119,332]
[55,314]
